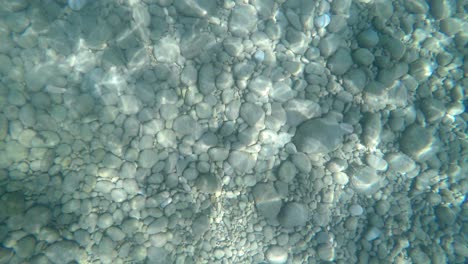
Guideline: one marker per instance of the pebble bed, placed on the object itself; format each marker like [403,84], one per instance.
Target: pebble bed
[221,131]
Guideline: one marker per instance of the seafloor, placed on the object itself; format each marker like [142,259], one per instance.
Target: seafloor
[219,131]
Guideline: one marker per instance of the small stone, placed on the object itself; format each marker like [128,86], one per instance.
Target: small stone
[441,9]
[363,57]
[372,234]
[322,21]
[297,111]
[340,62]
[293,214]
[147,158]
[267,200]
[118,195]
[376,162]
[302,162]
[6,254]
[25,247]
[157,226]
[356,210]
[434,110]
[208,183]
[64,251]
[416,6]
[276,255]
[445,216]
[421,69]
[105,220]
[38,216]
[218,253]
[200,225]
[76,5]
[326,252]
[167,50]
[368,38]
[340,178]
[233,46]
[416,142]
[129,104]
[185,125]
[329,44]
[243,20]
[241,161]
[365,180]
[287,172]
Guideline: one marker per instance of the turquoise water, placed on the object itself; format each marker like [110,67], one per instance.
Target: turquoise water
[203,131]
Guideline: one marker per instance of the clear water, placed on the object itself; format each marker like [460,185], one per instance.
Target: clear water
[190,131]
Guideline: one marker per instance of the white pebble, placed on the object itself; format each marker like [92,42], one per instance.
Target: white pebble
[76,4]
[322,21]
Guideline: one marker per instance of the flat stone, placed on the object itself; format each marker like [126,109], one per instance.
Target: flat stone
[64,251]
[38,216]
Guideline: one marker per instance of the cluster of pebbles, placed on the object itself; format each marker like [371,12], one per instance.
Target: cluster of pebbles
[204,131]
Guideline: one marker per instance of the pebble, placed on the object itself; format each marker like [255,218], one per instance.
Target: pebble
[326,252]
[365,180]
[77,5]
[276,255]
[322,21]
[356,210]
[25,247]
[440,9]
[287,172]
[105,220]
[242,20]
[157,226]
[340,62]
[241,161]
[64,251]
[129,104]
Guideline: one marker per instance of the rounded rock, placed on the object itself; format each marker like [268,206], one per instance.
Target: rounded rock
[276,255]
[293,214]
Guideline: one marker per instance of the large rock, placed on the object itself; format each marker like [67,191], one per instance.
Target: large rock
[318,136]
[293,214]
[416,142]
